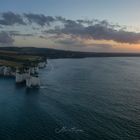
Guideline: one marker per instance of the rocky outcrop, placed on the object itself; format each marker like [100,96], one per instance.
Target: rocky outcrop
[6,71]
[42,64]
[29,75]
[33,81]
[21,76]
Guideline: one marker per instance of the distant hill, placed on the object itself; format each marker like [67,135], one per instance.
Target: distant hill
[54,53]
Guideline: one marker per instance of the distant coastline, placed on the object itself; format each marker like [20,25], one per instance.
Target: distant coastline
[24,63]
[54,53]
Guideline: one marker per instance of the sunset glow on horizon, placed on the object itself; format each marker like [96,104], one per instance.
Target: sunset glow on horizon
[77,25]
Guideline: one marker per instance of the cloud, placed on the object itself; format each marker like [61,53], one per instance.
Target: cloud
[100,31]
[88,22]
[42,37]
[17,33]
[10,18]
[106,46]
[71,27]
[60,18]
[70,42]
[39,19]
[83,28]
[6,38]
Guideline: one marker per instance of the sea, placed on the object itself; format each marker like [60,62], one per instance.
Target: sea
[79,99]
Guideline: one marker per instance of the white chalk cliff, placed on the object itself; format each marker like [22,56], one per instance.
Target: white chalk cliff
[28,75]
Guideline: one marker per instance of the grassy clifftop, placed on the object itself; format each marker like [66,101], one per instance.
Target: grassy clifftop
[16,59]
[54,53]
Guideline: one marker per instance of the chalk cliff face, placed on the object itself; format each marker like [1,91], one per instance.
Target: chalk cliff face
[28,75]
[37,69]
[21,77]
[42,64]
[1,70]
[6,71]
[33,81]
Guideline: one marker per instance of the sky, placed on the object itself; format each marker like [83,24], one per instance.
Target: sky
[79,25]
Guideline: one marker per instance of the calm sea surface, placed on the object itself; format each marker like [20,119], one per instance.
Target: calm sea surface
[79,99]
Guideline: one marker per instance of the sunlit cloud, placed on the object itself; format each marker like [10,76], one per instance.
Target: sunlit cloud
[39,30]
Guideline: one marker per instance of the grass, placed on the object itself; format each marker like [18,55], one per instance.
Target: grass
[10,64]
[13,59]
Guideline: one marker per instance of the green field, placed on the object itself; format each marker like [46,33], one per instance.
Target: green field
[13,59]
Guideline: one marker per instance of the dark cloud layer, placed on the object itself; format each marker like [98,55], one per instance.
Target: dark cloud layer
[100,31]
[104,33]
[39,19]
[70,42]
[6,38]
[10,18]
[91,29]
[17,33]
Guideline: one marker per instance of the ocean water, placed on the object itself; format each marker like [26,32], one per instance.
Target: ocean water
[79,99]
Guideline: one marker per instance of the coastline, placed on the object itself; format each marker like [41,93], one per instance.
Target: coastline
[23,70]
